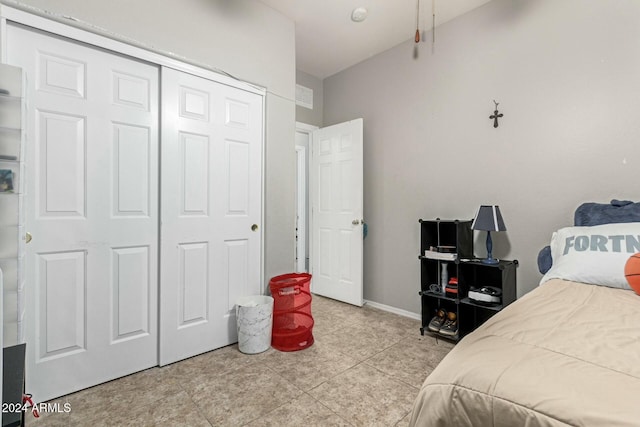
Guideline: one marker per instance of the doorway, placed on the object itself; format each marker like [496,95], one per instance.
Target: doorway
[329,227]
[303,149]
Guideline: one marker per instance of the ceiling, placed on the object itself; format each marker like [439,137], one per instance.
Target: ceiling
[327,41]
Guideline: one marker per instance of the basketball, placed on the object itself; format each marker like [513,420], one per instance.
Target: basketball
[632,272]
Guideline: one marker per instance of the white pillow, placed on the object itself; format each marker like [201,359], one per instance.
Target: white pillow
[595,255]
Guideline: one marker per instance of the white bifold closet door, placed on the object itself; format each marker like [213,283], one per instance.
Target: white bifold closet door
[211,178]
[92,208]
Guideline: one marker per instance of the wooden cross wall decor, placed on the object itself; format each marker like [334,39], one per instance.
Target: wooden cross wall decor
[495,115]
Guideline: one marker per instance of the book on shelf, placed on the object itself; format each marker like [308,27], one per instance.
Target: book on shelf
[442,256]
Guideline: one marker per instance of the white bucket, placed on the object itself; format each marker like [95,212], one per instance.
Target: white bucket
[254,316]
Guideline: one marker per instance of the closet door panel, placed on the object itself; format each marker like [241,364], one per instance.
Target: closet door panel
[211,184]
[61,164]
[92,208]
[194,174]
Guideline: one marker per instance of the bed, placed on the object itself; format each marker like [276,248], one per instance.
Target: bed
[566,353]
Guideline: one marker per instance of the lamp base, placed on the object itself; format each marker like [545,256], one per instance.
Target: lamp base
[490,260]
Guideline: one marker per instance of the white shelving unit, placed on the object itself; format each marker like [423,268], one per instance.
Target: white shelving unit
[12,233]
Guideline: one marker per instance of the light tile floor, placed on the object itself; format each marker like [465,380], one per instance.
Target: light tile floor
[364,369]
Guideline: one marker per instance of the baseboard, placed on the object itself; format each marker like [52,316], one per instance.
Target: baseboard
[393,310]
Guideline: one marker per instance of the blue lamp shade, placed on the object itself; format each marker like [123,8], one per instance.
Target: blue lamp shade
[489,219]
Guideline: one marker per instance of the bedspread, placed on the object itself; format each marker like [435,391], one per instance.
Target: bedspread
[564,354]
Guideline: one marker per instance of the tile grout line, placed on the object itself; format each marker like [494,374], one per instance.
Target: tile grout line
[195,405]
[329,409]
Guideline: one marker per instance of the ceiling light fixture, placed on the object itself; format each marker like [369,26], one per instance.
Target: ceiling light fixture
[359,14]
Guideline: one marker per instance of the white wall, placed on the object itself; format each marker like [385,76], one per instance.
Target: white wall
[242,37]
[566,75]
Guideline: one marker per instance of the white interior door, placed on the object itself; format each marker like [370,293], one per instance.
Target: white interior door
[211,211]
[337,211]
[92,208]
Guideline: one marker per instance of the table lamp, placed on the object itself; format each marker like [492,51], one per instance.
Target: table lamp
[488,219]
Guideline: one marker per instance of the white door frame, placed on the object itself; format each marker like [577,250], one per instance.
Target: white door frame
[308,130]
[301,209]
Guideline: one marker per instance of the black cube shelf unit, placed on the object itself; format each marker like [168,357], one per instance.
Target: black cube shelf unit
[13,385]
[457,237]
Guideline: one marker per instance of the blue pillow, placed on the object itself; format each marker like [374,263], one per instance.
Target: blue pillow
[590,214]
[544,260]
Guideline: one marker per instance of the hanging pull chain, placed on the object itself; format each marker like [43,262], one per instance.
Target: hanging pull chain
[433,25]
[417,38]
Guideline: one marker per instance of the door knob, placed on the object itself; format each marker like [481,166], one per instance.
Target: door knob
[28,237]
[254,227]
[355,222]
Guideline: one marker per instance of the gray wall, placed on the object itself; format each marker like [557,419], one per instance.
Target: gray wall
[566,75]
[305,115]
[244,38]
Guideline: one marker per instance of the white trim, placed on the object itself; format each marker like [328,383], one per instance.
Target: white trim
[263,212]
[84,32]
[308,129]
[301,208]
[393,310]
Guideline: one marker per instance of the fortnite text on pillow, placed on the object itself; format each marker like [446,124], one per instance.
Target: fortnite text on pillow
[600,243]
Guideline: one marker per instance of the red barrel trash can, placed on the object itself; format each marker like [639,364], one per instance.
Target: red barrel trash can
[292,319]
